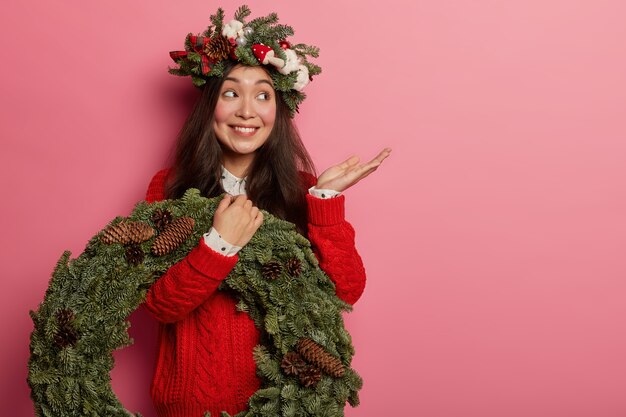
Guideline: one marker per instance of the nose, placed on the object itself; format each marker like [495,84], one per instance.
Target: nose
[246,108]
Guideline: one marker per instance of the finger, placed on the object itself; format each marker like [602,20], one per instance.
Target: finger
[254,212]
[247,205]
[353,160]
[374,163]
[381,156]
[240,200]
[362,171]
[258,220]
[224,203]
[369,171]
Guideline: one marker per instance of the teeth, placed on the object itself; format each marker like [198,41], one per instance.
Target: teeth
[245,129]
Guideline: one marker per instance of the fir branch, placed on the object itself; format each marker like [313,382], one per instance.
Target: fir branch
[246,56]
[242,12]
[218,69]
[198,81]
[313,69]
[278,32]
[304,49]
[188,45]
[217,20]
[263,20]
[177,71]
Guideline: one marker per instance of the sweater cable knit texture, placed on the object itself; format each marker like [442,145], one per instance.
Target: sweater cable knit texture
[205,345]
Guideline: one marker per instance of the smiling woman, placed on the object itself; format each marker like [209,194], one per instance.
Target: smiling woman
[240,140]
[226,348]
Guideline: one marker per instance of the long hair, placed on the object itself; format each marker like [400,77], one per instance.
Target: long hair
[273,180]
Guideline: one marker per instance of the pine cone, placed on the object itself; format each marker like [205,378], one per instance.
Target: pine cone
[134,254]
[126,232]
[294,267]
[271,270]
[316,354]
[310,376]
[66,335]
[172,236]
[218,49]
[161,218]
[292,364]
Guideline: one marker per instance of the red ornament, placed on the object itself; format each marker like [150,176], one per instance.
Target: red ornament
[284,44]
[261,51]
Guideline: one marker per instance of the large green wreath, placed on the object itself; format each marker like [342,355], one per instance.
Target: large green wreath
[304,363]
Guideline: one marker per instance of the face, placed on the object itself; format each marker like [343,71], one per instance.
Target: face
[245,113]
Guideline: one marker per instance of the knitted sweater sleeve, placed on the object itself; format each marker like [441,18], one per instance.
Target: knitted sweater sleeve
[190,282]
[332,239]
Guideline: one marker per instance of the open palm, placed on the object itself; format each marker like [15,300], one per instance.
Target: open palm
[344,175]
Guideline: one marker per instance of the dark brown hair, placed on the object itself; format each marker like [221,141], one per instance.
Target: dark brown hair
[273,179]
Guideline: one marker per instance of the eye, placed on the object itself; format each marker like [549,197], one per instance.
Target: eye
[264,96]
[229,93]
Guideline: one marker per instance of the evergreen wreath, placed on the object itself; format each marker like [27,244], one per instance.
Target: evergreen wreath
[303,363]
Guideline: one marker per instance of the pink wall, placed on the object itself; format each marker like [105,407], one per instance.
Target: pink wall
[493,236]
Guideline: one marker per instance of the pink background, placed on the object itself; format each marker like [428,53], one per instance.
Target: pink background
[493,236]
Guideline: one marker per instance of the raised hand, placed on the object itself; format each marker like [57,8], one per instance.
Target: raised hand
[237,219]
[344,175]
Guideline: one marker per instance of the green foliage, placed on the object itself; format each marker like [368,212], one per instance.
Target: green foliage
[261,21]
[303,49]
[242,12]
[218,69]
[188,45]
[293,99]
[217,20]
[102,289]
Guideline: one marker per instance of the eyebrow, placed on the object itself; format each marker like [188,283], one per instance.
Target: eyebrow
[256,83]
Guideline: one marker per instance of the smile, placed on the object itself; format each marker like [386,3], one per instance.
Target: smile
[245,129]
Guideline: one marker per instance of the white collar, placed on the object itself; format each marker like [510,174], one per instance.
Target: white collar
[233,185]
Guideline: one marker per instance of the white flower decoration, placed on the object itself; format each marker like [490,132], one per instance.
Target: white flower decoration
[303,78]
[291,64]
[233,29]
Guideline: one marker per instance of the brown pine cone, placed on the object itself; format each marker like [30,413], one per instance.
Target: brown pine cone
[173,236]
[292,363]
[161,218]
[316,354]
[294,267]
[310,376]
[126,232]
[271,270]
[218,48]
[66,335]
[134,254]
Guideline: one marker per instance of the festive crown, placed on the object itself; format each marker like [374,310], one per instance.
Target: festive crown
[262,41]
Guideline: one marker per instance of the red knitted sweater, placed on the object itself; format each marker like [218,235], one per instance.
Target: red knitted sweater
[205,358]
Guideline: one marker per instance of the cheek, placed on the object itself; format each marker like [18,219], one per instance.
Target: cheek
[268,115]
[221,112]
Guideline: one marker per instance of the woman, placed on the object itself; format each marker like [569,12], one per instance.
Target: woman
[239,139]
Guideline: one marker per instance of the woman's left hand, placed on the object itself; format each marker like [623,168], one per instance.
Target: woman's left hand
[344,175]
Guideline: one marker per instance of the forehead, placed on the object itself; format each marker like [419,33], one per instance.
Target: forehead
[248,75]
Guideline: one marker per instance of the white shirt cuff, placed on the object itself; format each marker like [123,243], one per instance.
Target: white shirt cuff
[323,193]
[214,241]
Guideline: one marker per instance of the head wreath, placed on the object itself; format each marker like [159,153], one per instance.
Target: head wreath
[262,41]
